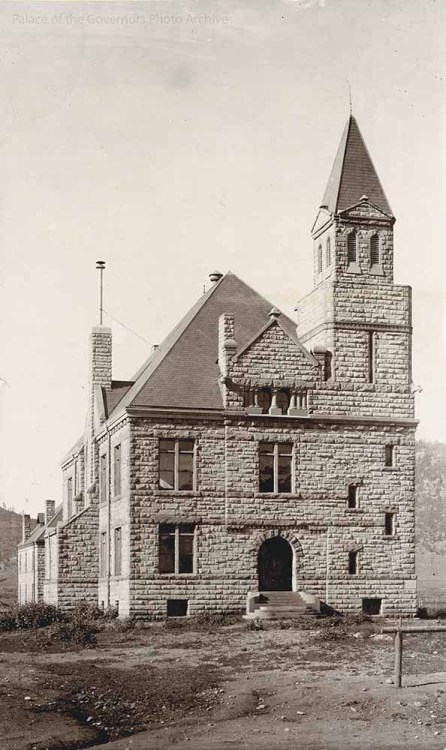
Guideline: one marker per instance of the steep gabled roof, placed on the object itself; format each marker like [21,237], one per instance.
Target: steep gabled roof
[183,371]
[353,175]
[38,533]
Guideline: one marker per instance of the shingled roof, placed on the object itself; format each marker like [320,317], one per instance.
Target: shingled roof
[353,175]
[183,371]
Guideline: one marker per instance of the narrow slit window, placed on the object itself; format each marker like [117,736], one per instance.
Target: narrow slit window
[353,496]
[353,558]
[103,558]
[117,470]
[118,551]
[371,357]
[389,524]
[319,259]
[103,478]
[70,496]
[374,250]
[328,366]
[389,459]
[328,252]
[351,248]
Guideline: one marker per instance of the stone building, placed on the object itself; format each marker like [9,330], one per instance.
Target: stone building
[249,455]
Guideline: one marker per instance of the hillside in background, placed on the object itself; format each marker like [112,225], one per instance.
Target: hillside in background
[10,536]
[430,485]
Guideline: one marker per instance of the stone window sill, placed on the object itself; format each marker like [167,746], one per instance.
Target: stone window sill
[174,493]
[377,269]
[277,495]
[353,268]
[354,510]
[391,468]
[390,536]
[175,576]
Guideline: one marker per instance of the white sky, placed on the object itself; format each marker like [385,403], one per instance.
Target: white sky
[178,144]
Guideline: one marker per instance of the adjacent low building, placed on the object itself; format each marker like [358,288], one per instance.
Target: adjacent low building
[250,454]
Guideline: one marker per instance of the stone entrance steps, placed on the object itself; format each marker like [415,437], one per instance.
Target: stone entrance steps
[281,605]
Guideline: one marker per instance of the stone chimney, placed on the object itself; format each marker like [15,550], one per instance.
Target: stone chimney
[50,510]
[100,376]
[227,345]
[41,519]
[26,527]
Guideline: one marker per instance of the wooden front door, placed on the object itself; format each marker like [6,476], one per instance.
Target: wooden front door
[275,562]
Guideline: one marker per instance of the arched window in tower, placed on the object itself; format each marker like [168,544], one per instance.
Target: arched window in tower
[319,259]
[374,250]
[328,252]
[351,248]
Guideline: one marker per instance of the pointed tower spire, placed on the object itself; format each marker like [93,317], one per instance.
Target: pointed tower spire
[353,175]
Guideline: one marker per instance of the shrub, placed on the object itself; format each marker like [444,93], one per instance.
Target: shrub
[81,634]
[7,619]
[30,615]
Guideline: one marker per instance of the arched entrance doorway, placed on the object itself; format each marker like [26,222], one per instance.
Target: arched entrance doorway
[275,565]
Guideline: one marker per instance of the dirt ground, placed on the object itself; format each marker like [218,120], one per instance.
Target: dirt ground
[223,687]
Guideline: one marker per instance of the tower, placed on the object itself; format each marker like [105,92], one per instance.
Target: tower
[355,310]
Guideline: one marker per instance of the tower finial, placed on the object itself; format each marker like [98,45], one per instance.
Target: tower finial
[350,97]
[100,265]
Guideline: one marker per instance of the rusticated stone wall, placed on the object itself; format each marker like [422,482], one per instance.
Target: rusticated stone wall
[232,516]
[78,557]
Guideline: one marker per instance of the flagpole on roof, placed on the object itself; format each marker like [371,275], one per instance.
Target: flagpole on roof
[100,265]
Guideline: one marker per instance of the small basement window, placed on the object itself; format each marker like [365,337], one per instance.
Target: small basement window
[177,607]
[372,606]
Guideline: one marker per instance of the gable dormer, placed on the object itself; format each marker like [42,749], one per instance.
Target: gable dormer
[353,231]
[271,374]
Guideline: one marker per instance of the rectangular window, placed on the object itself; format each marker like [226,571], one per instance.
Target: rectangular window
[117,470]
[389,455]
[389,524]
[176,465]
[176,548]
[118,552]
[371,357]
[353,558]
[275,467]
[353,496]
[103,558]
[103,478]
